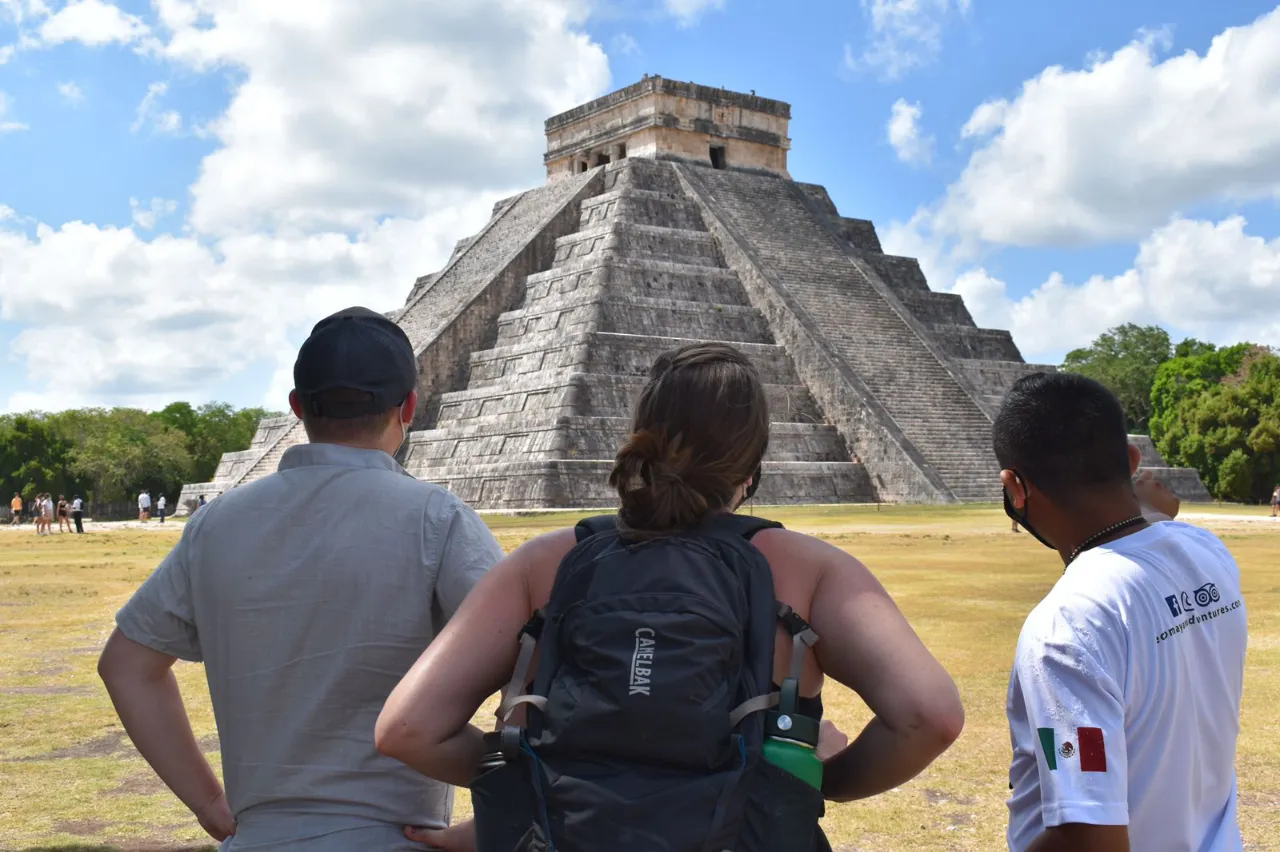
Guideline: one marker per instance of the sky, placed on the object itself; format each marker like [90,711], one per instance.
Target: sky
[186,186]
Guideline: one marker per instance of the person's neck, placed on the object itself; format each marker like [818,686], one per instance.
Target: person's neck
[379,446]
[1095,515]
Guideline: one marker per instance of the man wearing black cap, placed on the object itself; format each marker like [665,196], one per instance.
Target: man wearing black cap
[305,626]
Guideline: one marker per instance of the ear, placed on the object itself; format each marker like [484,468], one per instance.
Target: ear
[1135,458]
[409,408]
[295,403]
[1015,488]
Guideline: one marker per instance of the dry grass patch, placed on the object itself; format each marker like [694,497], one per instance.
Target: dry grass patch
[71,782]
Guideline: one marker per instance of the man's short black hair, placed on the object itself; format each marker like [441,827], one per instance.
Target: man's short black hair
[1063,432]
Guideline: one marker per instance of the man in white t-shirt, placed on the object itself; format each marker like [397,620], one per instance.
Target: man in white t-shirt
[1124,700]
[160,503]
[144,506]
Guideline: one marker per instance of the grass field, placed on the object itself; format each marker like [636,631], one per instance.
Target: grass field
[70,780]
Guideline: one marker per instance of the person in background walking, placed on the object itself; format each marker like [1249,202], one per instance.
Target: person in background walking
[144,506]
[46,512]
[1275,501]
[160,507]
[64,514]
[15,509]
[77,513]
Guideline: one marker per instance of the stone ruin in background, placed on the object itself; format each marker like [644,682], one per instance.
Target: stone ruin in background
[669,216]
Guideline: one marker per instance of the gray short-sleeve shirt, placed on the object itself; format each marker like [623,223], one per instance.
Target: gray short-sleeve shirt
[308,595]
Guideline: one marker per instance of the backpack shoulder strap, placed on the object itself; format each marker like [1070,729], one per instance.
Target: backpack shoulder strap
[744,526]
[587,527]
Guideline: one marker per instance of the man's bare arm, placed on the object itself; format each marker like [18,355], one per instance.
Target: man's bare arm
[146,696]
[1078,837]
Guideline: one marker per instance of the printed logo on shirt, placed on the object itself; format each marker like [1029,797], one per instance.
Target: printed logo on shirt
[1091,749]
[1188,602]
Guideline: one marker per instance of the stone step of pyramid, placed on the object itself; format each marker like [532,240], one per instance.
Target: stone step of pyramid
[966,341]
[550,396]
[652,278]
[643,174]
[640,242]
[604,311]
[588,438]
[606,352]
[920,394]
[550,484]
[935,309]
[641,207]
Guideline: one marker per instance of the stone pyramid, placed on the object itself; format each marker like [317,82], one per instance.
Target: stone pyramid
[669,216]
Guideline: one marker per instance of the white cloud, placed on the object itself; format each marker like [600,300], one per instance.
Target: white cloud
[903,35]
[6,125]
[1210,280]
[352,112]
[903,130]
[71,92]
[7,213]
[1113,150]
[148,321]
[361,141]
[150,114]
[93,23]
[6,52]
[146,216]
[986,119]
[625,45]
[687,12]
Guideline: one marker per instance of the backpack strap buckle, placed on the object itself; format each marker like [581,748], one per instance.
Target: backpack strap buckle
[513,694]
[803,638]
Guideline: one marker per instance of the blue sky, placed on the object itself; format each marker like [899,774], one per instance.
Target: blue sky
[186,186]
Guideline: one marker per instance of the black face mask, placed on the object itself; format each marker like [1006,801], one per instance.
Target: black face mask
[1022,519]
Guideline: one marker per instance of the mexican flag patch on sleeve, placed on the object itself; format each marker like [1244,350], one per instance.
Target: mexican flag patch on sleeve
[1090,748]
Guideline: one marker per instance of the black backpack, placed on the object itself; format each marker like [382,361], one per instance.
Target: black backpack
[644,731]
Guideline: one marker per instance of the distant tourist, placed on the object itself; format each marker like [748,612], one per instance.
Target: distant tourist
[64,514]
[77,513]
[15,509]
[1275,500]
[46,513]
[307,623]
[144,506]
[1124,700]
[160,507]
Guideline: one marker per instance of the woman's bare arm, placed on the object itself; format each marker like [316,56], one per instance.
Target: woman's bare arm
[426,720]
[868,646]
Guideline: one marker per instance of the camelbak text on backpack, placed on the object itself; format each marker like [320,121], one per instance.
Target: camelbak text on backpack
[642,662]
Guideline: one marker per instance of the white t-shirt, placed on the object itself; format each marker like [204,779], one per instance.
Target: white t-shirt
[144,501]
[160,502]
[1124,700]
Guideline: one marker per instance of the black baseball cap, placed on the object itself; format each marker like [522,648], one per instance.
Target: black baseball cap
[354,349]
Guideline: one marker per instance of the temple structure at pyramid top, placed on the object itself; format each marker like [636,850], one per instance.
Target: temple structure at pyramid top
[669,216]
[659,118]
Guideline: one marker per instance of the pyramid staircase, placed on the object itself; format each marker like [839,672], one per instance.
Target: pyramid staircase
[539,414]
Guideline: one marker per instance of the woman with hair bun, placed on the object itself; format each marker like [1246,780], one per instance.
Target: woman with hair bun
[693,457]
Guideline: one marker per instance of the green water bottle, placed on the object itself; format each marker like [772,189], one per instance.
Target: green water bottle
[791,740]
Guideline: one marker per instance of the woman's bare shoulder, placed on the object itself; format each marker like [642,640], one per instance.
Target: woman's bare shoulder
[797,547]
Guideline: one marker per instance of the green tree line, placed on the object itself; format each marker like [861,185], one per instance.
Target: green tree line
[1215,409]
[109,455]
